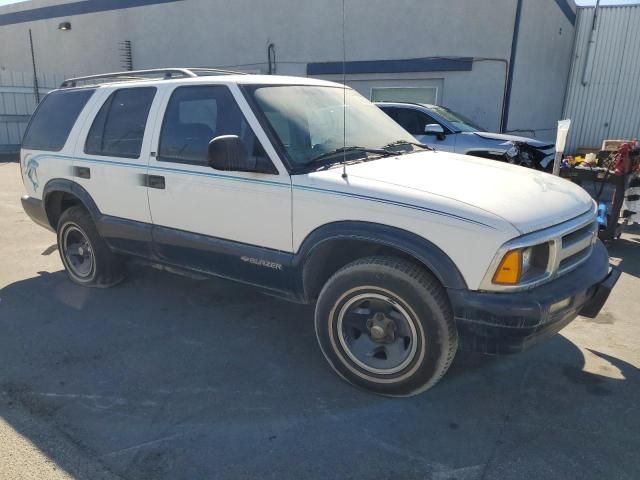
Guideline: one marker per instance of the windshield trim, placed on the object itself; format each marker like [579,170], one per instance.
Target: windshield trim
[433,109]
[248,91]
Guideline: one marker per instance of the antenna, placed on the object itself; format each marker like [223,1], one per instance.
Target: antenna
[344,95]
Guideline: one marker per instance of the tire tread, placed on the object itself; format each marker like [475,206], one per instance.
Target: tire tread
[425,280]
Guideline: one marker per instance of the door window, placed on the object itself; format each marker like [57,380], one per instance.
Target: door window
[413,121]
[195,116]
[118,129]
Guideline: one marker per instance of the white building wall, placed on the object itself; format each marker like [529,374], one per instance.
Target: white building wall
[541,70]
[236,34]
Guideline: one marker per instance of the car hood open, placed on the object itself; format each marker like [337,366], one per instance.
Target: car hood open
[529,200]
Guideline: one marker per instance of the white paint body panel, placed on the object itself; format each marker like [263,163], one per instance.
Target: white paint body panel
[527,199]
[467,206]
[116,183]
[246,207]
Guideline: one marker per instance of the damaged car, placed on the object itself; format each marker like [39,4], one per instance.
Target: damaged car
[443,129]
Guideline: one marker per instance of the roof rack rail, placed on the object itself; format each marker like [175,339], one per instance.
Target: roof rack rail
[154,73]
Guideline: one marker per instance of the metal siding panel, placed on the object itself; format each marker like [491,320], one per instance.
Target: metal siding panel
[628,97]
[17,103]
[612,93]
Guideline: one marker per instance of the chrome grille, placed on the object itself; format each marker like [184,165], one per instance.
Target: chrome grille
[576,246]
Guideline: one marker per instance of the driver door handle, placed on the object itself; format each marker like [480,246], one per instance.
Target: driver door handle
[155,181]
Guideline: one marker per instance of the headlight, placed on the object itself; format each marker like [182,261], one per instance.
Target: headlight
[527,257]
[522,264]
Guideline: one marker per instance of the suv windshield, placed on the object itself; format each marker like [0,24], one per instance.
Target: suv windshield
[309,122]
[461,122]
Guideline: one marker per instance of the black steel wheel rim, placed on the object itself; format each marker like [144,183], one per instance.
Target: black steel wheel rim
[377,333]
[78,252]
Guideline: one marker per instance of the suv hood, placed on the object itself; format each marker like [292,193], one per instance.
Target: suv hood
[513,138]
[528,199]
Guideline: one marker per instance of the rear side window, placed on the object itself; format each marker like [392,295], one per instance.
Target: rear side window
[118,129]
[54,118]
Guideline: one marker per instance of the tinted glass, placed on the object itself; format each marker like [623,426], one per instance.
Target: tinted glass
[195,116]
[54,118]
[118,129]
[411,120]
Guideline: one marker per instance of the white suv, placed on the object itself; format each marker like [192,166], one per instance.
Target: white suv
[308,191]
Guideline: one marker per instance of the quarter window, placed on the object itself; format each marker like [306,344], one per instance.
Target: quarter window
[195,116]
[53,120]
[118,129]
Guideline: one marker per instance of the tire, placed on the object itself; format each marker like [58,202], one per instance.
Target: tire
[385,325]
[85,255]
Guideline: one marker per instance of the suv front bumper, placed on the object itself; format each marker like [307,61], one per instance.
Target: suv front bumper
[500,323]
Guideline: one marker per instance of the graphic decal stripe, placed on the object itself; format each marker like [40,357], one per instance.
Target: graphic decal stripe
[391,202]
[324,191]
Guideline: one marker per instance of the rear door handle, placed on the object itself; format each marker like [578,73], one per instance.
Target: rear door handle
[155,181]
[82,172]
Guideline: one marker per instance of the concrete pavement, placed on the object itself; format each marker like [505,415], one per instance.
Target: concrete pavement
[165,377]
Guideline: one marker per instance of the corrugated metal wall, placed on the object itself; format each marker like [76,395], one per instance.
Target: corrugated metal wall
[608,106]
[17,103]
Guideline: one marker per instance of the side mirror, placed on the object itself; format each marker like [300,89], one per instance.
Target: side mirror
[434,129]
[227,153]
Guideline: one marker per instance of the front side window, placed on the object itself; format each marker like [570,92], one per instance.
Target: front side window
[195,116]
[413,121]
[316,123]
[118,129]
[53,120]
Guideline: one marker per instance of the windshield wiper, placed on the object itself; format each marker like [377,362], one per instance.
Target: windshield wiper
[327,160]
[406,142]
[333,153]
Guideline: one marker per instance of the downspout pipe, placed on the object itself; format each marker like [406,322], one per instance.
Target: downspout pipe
[512,61]
[592,40]
[505,62]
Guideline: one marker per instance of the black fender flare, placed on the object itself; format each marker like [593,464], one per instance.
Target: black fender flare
[421,249]
[68,186]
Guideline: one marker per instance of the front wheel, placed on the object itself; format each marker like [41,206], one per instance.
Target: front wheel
[385,324]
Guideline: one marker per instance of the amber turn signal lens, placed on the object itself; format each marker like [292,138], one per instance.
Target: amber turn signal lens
[510,268]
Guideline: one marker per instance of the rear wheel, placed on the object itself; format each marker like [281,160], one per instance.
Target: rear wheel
[385,325]
[84,254]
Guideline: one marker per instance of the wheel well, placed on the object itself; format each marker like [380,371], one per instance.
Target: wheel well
[332,255]
[58,202]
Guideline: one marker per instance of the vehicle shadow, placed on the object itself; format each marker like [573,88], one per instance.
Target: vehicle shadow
[169,377]
[625,250]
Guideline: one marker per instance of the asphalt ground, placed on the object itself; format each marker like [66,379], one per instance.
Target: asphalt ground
[165,377]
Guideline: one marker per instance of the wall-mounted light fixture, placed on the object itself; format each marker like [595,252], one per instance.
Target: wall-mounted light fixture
[64,26]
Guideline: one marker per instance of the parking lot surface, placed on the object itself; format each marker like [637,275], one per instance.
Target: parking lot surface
[165,377]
